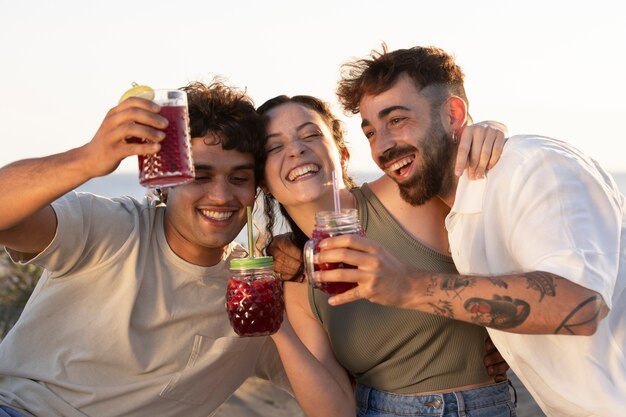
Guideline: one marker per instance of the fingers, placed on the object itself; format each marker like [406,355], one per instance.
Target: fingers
[479,157]
[498,147]
[463,151]
[489,345]
[134,127]
[349,241]
[345,297]
[494,362]
[498,373]
[288,268]
[287,257]
[480,148]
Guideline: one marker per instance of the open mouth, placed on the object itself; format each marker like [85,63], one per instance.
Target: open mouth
[401,167]
[217,215]
[303,171]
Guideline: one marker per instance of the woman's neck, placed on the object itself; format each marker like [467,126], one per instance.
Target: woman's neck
[304,214]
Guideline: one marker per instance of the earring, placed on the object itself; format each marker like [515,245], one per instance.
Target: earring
[455,139]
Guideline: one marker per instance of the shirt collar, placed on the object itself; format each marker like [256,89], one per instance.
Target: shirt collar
[469,195]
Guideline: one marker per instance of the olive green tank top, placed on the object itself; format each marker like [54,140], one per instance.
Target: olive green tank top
[400,350]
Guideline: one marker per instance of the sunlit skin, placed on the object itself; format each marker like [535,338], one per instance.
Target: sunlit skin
[301,157]
[400,118]
[299,137]
[396,123]
[207,213]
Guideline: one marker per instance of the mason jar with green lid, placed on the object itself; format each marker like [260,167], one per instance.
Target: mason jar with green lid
[254,297]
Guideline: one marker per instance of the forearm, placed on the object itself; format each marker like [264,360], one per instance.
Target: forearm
[530,303]
[317,391]
[31,184]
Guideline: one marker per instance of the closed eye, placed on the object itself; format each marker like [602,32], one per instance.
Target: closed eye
[239,180]
[273,148]
[203,174]
[312,136]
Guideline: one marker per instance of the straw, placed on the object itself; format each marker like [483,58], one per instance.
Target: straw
[336,193]
[250,244]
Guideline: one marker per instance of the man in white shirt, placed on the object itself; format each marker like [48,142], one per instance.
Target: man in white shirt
[128,317]
[540,242]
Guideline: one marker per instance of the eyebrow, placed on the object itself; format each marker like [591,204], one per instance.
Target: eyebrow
[302,126]
[240,167]
[384,113]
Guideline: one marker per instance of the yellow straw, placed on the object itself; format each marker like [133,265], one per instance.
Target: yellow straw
[250,244]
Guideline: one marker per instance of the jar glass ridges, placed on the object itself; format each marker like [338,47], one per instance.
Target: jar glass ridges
[328,224]
[254,297]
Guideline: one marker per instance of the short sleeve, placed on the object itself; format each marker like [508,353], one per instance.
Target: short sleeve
[90,230]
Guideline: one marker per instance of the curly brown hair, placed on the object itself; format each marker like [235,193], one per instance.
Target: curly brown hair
[427,66]
[229,113]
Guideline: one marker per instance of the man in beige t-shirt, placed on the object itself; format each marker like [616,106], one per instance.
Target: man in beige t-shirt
[128,317]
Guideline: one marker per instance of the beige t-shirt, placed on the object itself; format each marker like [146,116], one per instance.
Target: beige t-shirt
[119,325]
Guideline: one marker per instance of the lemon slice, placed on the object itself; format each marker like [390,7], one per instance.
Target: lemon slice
[137,90]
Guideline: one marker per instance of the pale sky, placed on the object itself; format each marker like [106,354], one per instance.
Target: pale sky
[550,67]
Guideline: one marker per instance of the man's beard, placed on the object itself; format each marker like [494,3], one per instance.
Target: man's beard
[434,174]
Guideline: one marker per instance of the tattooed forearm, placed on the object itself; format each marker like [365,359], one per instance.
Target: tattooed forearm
[453,283]
[585,314]
[499,313]
[542,282]
[443,308]
[431,286]
[499,282]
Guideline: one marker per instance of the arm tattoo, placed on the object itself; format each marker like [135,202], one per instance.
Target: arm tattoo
[452,283]
[498,313]
[498,282]
[431,285]
[542,282]
[567,327]
[455,285]
[443,308]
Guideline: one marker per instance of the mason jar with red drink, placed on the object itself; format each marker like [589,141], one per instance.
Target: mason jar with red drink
[329,224]
[254,297]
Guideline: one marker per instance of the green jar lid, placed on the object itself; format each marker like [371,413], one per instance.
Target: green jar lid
[250,263]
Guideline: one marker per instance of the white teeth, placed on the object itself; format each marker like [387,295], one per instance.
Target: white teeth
[217,215]
[302,170]
[399,164]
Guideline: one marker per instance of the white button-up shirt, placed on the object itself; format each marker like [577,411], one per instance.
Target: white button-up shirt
[547,207]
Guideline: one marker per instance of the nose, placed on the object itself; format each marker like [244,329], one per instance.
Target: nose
[381,143]
[219,190]
[296,148]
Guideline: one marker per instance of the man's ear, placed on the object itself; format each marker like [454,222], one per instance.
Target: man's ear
[454,113]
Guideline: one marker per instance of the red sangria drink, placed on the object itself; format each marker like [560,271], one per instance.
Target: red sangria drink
[173,164]
[254,297]
[329,224]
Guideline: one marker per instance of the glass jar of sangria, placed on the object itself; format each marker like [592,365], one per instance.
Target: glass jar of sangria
[254,297]
[329,224]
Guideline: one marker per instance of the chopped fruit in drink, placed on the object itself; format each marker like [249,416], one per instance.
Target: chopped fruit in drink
[137,90]
[255,308]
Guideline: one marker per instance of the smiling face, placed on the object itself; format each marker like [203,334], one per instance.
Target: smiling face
[206,214]
[301,155]
[407,142]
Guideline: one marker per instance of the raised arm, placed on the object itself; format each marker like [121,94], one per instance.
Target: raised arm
[321,385]
[27,222]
